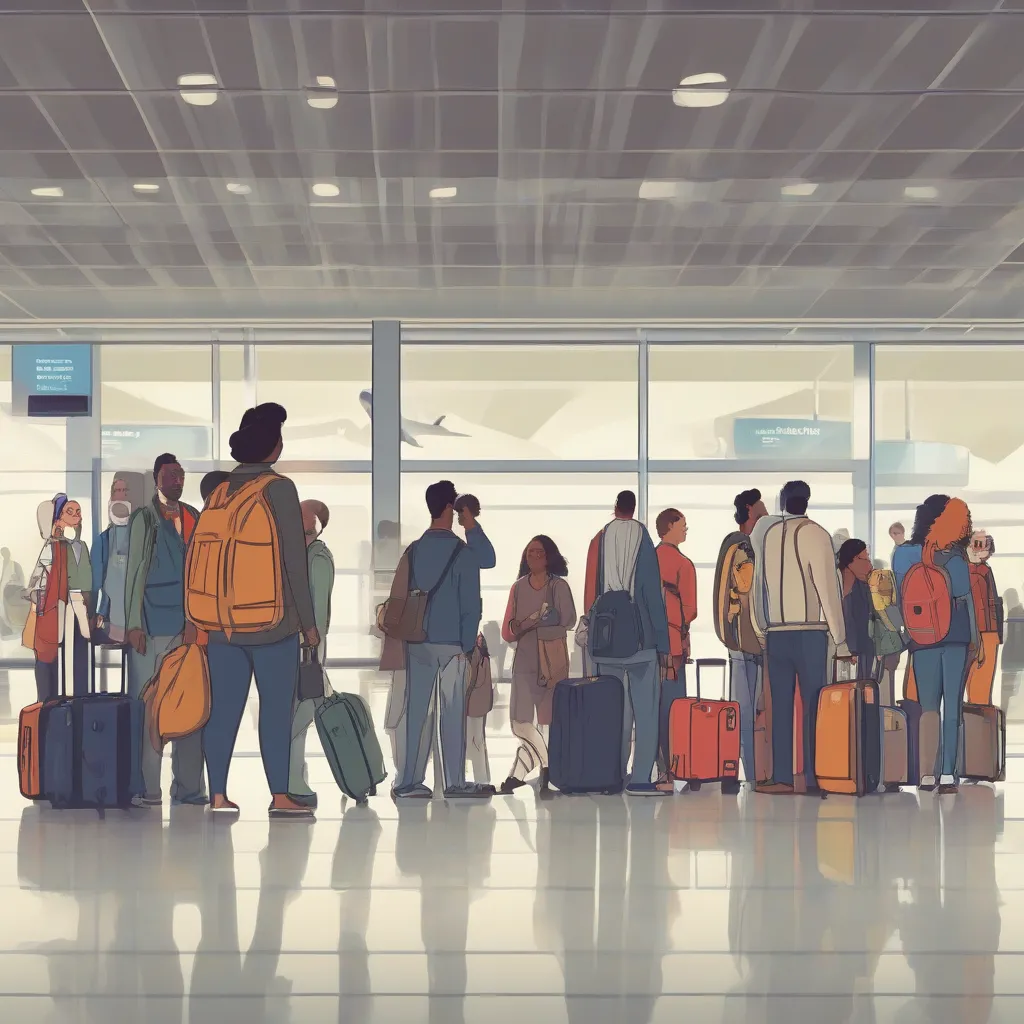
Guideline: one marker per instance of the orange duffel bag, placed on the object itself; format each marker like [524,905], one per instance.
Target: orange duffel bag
[178,697]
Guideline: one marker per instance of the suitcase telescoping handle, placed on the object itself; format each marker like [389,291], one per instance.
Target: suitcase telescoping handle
[94,650]
[726,675]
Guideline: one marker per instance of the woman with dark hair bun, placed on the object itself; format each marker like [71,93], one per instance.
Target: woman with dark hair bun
[855,567]
[539,616]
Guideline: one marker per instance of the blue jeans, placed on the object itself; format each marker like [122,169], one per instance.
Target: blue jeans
[232,666]
[795,654]
[640,678]
[745,670]
[941,674]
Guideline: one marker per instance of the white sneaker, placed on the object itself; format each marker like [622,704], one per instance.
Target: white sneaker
[927,782]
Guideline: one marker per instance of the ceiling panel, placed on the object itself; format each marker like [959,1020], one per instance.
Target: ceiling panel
[863,159]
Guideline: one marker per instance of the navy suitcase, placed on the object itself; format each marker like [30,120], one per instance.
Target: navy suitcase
[92,748]
[585,748]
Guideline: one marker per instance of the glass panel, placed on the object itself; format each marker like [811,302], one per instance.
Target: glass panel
[706,500]
[323,389]
[153,399]
[519,401]
[569,508]
[750,401]
[232,393]
[947,421]
[37,443]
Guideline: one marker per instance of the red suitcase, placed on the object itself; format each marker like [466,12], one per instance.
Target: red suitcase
[704,736]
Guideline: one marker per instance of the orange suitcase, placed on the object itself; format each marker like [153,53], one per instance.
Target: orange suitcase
[848,738]
[30,773]
[704,737]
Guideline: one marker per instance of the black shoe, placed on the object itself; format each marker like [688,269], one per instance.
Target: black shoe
[544,780]
[510,785]
[307,800]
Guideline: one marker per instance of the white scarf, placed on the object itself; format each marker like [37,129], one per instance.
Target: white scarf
[119,520]
[622,539]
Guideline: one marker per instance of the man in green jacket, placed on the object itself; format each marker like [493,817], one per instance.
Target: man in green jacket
[315,516]
[159,534]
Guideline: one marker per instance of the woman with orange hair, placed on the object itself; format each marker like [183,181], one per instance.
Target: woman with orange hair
[941,668]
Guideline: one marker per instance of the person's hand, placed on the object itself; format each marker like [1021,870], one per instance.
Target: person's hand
[480,640]
[99,623]
[312,637]
[981,655]
[665,664]
[847,659]
[190,635]
[137,640]
[466,520]
[515,625]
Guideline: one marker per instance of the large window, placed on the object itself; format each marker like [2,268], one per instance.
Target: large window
[751,401]
[519,402]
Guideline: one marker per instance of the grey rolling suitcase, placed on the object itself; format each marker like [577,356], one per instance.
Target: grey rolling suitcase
[345,727]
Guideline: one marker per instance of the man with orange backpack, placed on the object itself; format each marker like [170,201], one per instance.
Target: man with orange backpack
[247,586]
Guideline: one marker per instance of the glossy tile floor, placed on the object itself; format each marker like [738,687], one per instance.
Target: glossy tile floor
[692,908]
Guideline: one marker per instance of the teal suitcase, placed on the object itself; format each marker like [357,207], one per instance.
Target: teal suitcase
[350,743]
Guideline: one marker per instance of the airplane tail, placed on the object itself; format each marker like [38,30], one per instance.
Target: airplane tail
[438,421]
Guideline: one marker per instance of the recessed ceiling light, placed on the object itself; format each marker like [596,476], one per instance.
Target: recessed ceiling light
[145,186]
[50,192]
[693,91]
[239,188]
[803,188]
[447,192]
[921,192]
[323,95]
[326,189]
[658,190]
[199,90]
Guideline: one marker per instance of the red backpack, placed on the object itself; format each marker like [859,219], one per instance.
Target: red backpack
[926,601]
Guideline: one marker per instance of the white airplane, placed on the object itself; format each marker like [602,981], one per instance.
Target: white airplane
[411,428]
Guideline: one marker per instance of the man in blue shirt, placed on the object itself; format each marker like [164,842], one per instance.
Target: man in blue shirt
[441,563]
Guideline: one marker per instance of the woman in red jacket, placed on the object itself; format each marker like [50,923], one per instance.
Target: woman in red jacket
[679,585]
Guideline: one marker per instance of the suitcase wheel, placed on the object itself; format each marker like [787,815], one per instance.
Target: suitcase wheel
[730,787]
[695,786]
[892,787]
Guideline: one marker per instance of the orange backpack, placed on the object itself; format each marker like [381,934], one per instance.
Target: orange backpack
[234,578]
[177,698]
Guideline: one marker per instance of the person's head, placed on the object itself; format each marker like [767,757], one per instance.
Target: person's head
[854,558]
[926,514]
[168,476]
[897,534]
[1011,599]
[981,548]
[441,499]
[467,503]
[883,586]
[211,482]
[542,555]
[119,490]
[5,554]
[671,526]
[625,505]
[749,507]
[952,527]
[67,516]
[315,516]
[796,496]
[258,437]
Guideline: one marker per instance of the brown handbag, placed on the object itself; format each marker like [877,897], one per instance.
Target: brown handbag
[402,616]
[479,686]
[553,661]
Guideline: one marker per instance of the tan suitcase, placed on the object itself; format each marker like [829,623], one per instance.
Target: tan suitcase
[895,749]
[983,743]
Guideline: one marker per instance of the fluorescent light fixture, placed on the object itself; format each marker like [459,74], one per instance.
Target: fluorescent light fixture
[199,90]
[238,188]
[326,190]
[658,190]
[446,192]
[323,95]
[51,192]
[145,186]
[921,192]
[692,91]
[803,188]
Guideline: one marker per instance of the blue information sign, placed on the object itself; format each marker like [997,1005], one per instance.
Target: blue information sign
[778,438]
[52,380]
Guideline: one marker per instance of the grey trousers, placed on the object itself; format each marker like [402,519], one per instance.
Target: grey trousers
[394,726]
[429,667]
[746,677]
[642,683]
[187,781]
[302,719]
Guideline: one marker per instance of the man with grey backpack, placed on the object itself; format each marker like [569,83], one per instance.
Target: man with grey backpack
[437,620]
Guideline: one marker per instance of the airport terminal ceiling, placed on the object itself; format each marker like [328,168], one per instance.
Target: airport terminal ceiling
[487,159]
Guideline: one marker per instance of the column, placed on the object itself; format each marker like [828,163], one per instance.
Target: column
[386,452]
[643,375]
[863,430]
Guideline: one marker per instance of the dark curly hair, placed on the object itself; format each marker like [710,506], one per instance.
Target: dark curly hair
[926,515]
[743,502]
[557,565]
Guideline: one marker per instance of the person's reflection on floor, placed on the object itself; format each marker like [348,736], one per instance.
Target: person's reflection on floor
[282,868]
[352,873]
[451,853]
[952,929]
[1012,661]
[218,962]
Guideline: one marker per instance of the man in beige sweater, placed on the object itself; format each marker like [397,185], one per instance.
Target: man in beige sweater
[800,604]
